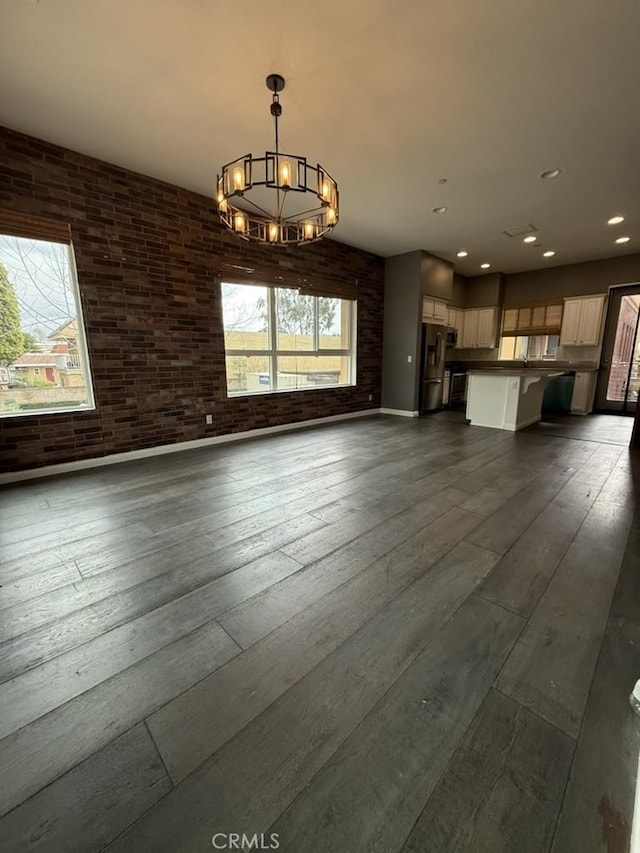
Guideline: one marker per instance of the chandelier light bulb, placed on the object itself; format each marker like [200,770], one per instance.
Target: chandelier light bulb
[238,179]
[239,222]
[285,174]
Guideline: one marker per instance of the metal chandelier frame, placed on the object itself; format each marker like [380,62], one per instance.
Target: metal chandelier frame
[284,174]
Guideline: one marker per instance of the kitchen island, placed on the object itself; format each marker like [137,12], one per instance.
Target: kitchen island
[506,398]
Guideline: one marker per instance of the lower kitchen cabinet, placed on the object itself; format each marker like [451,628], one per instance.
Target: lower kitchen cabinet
[583,391]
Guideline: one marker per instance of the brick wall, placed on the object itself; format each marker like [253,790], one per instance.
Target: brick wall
[147,254]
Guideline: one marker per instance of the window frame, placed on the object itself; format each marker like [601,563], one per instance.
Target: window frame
[272,353]
[38,234]
[525,353]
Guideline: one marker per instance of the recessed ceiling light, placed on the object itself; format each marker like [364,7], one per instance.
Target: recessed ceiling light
[530,239]
[615,220]
[623,239]
[484,266]
[550,173]
[442,181]
[548,254]
[439,209]
[463,253]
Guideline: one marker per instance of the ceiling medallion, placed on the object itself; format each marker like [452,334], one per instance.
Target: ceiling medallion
[277,199]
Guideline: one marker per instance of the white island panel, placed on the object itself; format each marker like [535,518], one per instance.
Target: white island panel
[508,400]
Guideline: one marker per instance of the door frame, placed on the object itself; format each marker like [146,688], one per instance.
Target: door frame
[601,404]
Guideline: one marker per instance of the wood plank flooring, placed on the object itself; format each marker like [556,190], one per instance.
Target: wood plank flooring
[381,635]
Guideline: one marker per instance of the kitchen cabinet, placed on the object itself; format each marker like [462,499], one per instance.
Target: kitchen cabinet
[582,321]
[440,311]
[479,328]
[486,337]
[469,335]
[455,319]
[446,385]
[434,311]
[583,388]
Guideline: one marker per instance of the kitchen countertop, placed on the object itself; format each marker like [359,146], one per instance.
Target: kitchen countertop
[564,366]
[514,371]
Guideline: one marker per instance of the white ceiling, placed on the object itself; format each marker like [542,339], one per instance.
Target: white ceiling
[389,95]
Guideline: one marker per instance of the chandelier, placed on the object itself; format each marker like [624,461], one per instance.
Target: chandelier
[279,198]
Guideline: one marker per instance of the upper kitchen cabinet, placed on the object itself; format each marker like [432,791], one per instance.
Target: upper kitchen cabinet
[469,337]
[455,318]
[582,321]
[479,328]
[434,311]
[487,325]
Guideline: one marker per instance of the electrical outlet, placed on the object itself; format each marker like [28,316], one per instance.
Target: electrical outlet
[370,397]
[409,359]
[209,419]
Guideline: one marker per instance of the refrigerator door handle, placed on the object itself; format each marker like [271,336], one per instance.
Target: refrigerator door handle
[438,355]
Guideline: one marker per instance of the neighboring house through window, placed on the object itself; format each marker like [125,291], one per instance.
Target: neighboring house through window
[44,366]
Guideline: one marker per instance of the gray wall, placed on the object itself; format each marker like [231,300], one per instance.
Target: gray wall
[402,327]
[484,291]
[436,277]
[458,290]
[571,280]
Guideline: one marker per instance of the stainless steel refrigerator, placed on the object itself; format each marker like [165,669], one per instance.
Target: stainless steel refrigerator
[432,360]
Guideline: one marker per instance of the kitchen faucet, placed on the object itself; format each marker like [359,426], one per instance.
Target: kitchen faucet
[525,360]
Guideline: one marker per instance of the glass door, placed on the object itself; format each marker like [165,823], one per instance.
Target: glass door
[619,376]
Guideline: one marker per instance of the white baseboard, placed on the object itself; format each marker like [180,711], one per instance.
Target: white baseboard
[402,412]
[162,449]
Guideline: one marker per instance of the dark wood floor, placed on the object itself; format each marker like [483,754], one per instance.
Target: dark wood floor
[383,635]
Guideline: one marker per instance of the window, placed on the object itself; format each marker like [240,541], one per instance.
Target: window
[43,358]
[531,347]
[277,339]
[531,332]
